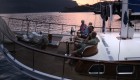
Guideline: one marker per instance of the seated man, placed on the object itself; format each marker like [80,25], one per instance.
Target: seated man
[90,40]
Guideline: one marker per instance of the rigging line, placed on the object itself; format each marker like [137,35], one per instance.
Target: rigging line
[94,19]
[119,48]
[134,4]
[100,16]
[130,4]
[95,16]
[126,3]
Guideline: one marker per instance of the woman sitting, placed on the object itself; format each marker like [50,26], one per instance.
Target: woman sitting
[83,31]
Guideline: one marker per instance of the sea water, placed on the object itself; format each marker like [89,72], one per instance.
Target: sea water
[60,18]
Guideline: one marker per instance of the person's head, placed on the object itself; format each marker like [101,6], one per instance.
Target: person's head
[90,23]
[82,21]
[93,34]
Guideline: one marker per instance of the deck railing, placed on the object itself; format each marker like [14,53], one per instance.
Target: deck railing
[29,25]
[53,65]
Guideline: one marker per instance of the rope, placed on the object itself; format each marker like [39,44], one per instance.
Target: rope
[119,48]
[131,4]
[95,20]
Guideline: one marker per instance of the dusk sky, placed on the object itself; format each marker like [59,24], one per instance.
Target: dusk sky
[81,2]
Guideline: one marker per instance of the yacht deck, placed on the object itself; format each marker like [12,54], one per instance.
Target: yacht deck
[112,48]
[108,48]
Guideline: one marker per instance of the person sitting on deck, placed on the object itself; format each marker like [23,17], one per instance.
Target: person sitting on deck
[90,27]
[35,38]
[82,27]
[86,34]
[90,40]
[83,31]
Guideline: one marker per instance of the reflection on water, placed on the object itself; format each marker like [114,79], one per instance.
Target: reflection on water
[66,18]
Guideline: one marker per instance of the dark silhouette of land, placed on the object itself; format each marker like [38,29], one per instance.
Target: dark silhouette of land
[96,8]
[24,6]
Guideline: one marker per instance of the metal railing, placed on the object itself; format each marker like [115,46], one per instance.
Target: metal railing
[33,25]
[29,25]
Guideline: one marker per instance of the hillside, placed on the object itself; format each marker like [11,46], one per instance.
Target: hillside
[23,6]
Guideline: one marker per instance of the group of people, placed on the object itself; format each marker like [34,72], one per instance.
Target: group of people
[85,37]
[85,30]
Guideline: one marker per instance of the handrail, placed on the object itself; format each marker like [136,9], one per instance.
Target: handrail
[62,25]
[38,21]
[49,23]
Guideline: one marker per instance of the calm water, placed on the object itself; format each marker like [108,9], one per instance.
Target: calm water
[66,18]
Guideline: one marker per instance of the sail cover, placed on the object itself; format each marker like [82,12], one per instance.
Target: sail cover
[6,30]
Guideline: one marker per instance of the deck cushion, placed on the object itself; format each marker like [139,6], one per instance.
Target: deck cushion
[54,43]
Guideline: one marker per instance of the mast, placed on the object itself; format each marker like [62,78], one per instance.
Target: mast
[124,21]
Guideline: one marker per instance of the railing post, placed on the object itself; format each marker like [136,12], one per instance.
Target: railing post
[116,73]
[63,69]
[49,28]
[33,61]
[28,24]
[135,72]
[110,29]
[35,26]
[98,70]
[8,21]
[67,48]
[62,28]
[14,51]
[22,25]
[12,24]
[75,30]
[2,38]
[135,25]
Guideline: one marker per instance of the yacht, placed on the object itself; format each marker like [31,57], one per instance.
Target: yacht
[116,57]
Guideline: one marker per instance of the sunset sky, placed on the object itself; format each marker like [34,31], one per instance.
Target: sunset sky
[81,2]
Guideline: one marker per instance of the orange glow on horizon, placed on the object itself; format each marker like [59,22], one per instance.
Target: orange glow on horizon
[82,2]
